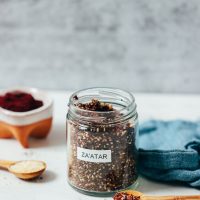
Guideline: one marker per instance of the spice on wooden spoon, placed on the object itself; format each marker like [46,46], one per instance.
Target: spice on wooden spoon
[28,169]
[135,195]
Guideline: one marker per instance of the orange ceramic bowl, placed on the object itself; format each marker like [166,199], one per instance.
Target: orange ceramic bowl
[22,125]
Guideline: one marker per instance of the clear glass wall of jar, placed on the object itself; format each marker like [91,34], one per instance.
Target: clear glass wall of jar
[102,143]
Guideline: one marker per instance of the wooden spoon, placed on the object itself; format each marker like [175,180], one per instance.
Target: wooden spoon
[27,169]
[135,195]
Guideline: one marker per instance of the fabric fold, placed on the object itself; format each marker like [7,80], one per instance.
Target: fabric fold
[170,151]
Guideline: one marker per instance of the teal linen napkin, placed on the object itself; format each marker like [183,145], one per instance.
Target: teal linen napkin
[170,150]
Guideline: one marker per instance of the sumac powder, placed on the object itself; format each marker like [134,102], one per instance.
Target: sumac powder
[125,196]
[19,101]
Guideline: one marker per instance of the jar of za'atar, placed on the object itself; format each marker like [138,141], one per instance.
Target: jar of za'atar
[102,129]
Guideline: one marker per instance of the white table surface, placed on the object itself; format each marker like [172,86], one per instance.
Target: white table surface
[52,150]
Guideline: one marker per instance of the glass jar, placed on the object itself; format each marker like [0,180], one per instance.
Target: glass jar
[102,143]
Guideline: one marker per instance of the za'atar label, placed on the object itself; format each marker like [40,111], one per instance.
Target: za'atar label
[97,156]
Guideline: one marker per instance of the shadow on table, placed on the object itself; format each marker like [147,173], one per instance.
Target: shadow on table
[150,186]
[48,176]
[56,137]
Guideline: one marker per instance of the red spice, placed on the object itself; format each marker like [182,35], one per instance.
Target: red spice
[125,196]
[18,101]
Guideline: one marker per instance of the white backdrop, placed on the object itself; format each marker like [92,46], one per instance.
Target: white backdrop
[139,45]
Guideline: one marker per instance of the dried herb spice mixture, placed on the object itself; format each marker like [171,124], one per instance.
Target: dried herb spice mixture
[103,156]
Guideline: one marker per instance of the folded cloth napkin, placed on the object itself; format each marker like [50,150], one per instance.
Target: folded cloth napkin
[170,151]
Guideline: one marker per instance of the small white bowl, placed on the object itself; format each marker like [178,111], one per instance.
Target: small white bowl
[21,125]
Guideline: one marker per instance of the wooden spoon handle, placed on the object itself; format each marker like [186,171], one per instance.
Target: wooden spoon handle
[193,197]
[5,164]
